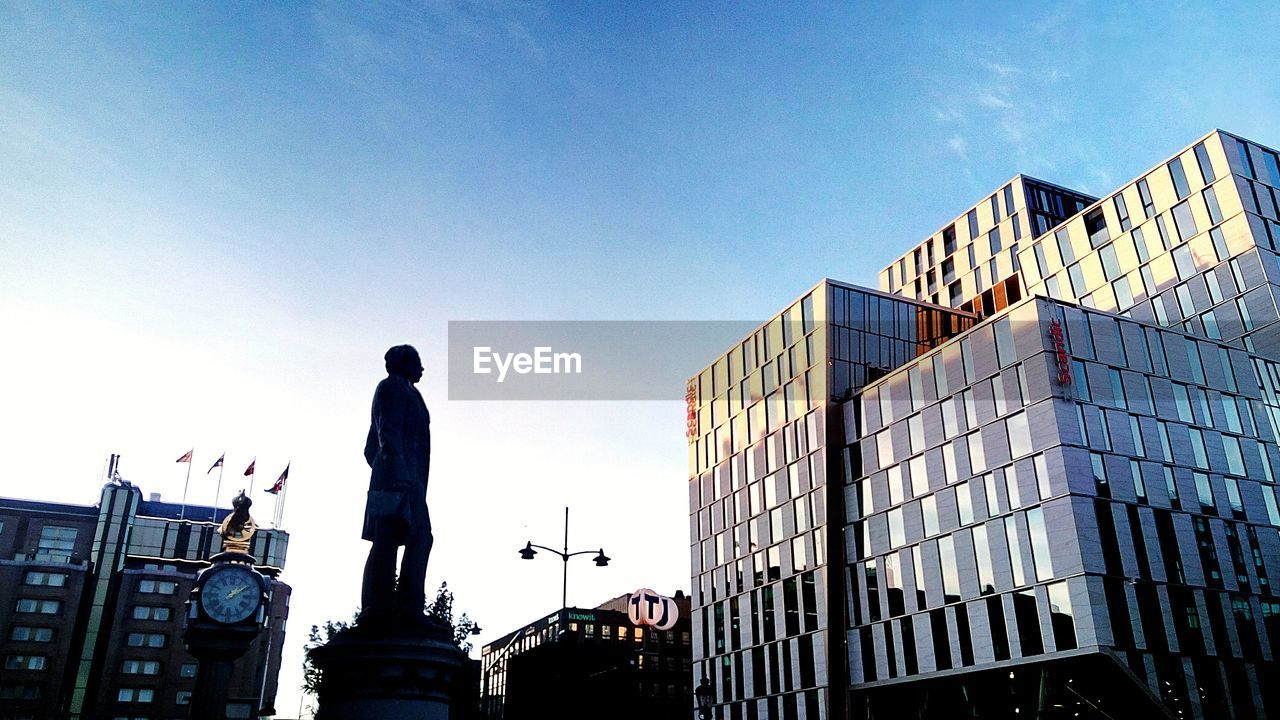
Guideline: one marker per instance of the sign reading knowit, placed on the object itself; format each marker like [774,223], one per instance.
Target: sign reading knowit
[646,607]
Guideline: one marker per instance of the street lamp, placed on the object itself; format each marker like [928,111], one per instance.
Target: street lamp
[601,560]
[705,696]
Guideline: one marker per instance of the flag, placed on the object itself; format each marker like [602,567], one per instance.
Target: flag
[217,463]
[186,457]
[275,489]
[249,470]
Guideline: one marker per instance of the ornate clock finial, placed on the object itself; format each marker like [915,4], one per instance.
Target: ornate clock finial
[238,528]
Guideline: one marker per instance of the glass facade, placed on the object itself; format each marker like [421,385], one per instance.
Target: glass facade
[1068,510]
[979,268]
[762,418]
[1201,258]
[1053,517]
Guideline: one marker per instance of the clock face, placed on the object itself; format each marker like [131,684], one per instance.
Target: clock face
[231,595]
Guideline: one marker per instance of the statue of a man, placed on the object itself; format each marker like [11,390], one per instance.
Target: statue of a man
[398,450]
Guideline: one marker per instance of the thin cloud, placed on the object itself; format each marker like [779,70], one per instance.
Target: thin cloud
[958,146]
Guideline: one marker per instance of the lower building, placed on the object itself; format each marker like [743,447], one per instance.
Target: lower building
[590,663]
[92,600]
[1065,513]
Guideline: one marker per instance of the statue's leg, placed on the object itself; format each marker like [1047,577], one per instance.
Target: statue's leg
[378,591]
[413,571]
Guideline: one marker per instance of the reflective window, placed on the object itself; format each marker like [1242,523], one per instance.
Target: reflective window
[950,575]
[1185,221]
[1144,193]
[1061,617]
[1019,435]
[929,511]
[1039,543]
[1179,178]
[1206,167]
[1015,550]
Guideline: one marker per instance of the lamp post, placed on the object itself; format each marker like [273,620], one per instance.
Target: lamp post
[705,696]
[527,553]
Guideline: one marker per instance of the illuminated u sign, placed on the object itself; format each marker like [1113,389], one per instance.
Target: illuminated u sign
[646,607]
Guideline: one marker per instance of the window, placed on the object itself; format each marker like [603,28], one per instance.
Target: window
[1039,543]
[1008,199]
[950,574]
[1122,211]
[949,240]
[973,224]
[56,543]
[151,612]
[1144,194]
[981,547]
[1179,178]
[154,640]
[139,695]
[1110,265]
[993,239]
[1006,354]
[1185,222]
[26,662]
[977,457]
[1206,167]
[1019,435]
[929,511]
[1095,225]
[26,633]
[140,667]
[182,698]
[1015,549]
[36,577]
[160,587]
[1211,202]
[1061,618]
[1204,492]
[1064,246]
[44,607]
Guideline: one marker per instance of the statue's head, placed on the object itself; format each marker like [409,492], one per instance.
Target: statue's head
[403,361]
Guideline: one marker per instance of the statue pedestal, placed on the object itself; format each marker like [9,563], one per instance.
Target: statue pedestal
[388,674]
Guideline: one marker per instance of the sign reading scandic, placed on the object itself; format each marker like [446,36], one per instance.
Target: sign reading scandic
[646,607]
[1060,350]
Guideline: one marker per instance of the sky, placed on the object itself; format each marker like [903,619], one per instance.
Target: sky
[214,219]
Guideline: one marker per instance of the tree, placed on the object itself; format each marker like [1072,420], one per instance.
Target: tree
[441,609]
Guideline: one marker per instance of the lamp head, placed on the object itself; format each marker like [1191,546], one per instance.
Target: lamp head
[527,552]
[601,560]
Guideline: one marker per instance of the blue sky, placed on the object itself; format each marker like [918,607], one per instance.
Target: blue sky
[213,220]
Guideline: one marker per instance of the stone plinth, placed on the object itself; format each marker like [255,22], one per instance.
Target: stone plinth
[387,675]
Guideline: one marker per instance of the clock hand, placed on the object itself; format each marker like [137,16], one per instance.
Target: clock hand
[236,591]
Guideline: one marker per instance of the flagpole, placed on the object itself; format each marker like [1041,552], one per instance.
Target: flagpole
[218,493]
[284,493]
[182,515]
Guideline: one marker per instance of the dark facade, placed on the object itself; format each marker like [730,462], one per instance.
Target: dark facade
[92,601]
[589,663]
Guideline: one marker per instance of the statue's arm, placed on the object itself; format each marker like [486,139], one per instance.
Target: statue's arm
[389,404]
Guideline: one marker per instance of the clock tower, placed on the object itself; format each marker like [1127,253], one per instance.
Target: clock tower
[225,612]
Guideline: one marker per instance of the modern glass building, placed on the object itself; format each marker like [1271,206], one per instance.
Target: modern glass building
[764,437]
[1042,529]
[1068,510]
